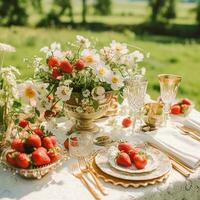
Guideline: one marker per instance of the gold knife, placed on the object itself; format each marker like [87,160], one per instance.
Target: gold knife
[189,132]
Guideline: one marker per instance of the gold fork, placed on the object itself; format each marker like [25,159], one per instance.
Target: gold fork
[85,168]
[75,170]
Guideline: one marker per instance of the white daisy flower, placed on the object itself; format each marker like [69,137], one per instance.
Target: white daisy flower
[54,50]
[90,57]
[64,92]
[55,46]
[116,81]
[138,56]
[98,93]
[28,92]
[82,41]
[6,47]
[43,104]
[102,71]
[119,48]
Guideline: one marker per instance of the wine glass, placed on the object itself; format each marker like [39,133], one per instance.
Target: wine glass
[136,91]
[168,88]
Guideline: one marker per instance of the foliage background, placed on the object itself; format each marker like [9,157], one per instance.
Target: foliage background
[173,44]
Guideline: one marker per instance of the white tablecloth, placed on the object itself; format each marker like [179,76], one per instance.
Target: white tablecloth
[61,185]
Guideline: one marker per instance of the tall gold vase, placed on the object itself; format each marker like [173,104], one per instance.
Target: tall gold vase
[85,120]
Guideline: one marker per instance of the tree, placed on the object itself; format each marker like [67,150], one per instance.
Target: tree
[84,11]
[103,7]
[13,12]
[198,12]
[170,12]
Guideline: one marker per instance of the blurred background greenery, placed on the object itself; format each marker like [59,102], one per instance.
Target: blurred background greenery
[168,29]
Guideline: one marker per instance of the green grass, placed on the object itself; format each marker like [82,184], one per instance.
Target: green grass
[168,54]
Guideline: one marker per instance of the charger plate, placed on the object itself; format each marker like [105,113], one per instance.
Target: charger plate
[125,183]
[163,166]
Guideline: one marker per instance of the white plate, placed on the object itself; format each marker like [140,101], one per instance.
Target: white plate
[151,163]
[163,166]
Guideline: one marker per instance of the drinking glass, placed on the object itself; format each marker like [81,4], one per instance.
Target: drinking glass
[168,88]
[136,92]
[81,145]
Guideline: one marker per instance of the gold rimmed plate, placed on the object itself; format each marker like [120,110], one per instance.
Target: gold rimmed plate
[163,166]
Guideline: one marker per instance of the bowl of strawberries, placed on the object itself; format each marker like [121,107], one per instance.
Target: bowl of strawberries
[182,108]
[127,158]
[33,154]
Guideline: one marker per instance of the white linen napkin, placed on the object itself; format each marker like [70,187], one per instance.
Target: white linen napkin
[193,121]
[181,146]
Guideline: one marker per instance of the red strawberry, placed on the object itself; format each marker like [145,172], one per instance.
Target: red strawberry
[22,160]
[34,141]
[186,101]
[132,154]
[40,157]
[123,159]
[55,74]
[124,146]
[66,66]
[47,143]
[54,155]
[23,123]
[11,158]
[176,109]
[74,142]
[80,64]
[18,145]
[53,139]
[53,62]
[42,149]
[184,108]
[50,98]
[38,131]
[140,161]
[126,122]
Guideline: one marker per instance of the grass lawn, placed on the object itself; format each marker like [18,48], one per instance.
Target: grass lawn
[168,54]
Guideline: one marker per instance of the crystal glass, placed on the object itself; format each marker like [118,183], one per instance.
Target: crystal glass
[168,88]
[136,92]
[81,145]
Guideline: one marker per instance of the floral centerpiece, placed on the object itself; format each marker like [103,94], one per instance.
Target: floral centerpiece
[84,78]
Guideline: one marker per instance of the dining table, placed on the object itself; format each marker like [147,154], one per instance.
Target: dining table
[62,185]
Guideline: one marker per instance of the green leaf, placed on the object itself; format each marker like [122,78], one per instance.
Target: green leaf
[16,104]
[120,99]
[37,112]
[95,104]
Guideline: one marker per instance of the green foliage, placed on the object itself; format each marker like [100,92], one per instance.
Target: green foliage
[103,7]
[84,11]
[170,12]
[198,13]
[13,12]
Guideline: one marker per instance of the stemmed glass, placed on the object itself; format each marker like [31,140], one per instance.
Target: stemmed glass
[136,95]
[168,88]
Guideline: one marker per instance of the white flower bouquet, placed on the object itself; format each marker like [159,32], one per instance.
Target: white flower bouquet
[83,71]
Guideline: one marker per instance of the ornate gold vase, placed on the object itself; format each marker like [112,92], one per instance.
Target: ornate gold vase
[85,119]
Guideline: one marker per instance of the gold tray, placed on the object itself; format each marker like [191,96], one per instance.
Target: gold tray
[125,183]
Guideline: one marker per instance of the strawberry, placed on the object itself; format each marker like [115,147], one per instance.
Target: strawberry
[55,74]
[47,142]
[22,160]
[186,101]
[80,64]
[123,159]
[124,146]
[132,154]
[74,142]
[34,141]
[50,98]
[18,145]
[54,155]
[66,66]
[40,157]
[184,108]
[23,123]
[42,149]
[53,62]
[11,158]
[126,122]
[53,139]
[38,131]
[140,161]
[176,109]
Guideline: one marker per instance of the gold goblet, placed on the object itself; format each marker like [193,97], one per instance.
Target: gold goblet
[168,88]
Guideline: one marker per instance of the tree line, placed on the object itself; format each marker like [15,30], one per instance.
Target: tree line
[14,12]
